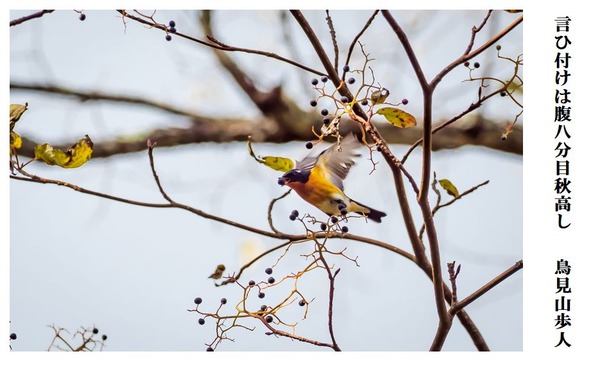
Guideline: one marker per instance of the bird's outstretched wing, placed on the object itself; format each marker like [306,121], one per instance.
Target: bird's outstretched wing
[335,161]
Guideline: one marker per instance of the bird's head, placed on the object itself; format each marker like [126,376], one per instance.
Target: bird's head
[293,176]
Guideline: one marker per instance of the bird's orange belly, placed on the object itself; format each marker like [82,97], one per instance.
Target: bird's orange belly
[321,194]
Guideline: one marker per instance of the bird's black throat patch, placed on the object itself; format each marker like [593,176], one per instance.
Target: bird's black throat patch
[297,175]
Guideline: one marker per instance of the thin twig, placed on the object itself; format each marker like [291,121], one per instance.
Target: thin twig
[438,206]
[331,277]
[278,332]
[151,146]
[336,50]
[222,46]
[357,37]
[452,274]
[475,30]
[270,210]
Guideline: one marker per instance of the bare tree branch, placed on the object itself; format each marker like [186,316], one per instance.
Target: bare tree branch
[444,329]
[34,15]
[273,104]
[485,288]
[91,95]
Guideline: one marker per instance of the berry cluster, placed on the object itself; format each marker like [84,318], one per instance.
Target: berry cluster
[171,29]
[475,64]
[294,215]
[367,94]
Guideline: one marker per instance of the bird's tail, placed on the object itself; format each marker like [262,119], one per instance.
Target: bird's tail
[371,213]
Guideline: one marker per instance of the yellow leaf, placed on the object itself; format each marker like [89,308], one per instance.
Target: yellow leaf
[50,155]
[80,153]
[282,164]
[15,141]
[397,117]
[16,110]
[74,157]
[449,187]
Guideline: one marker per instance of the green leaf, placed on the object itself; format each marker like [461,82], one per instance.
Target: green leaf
[449,187]
[16,110]
[74,157]
[397,117]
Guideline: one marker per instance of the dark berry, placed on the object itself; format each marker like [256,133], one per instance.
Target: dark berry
[324,112]
[314,81]
[364,102]
[309,145]
[351,80]
[405,101]
[503,93]
[269,271]
[326,121]
[168,37]
[104,337]
[269,319]
[324,79]
[82,17]
[334,219]
[209,349]
[302,302]
[323,226]
[172,30]
[344,99]
[263,308]
[223,301]
[341,206]
[344,229]
[498,47]
[379,148]
[292,217]
[467,64]
[198,300]
[313,103]
[476,65]
[171,23]
[201,321]
[261,295]
[13,336]
[344,211]
[95,331]
[251,283]
[346,68]
[271,280]
[295,212]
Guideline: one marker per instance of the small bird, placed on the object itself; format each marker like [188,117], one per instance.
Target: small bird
[218,272]
[319,180]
